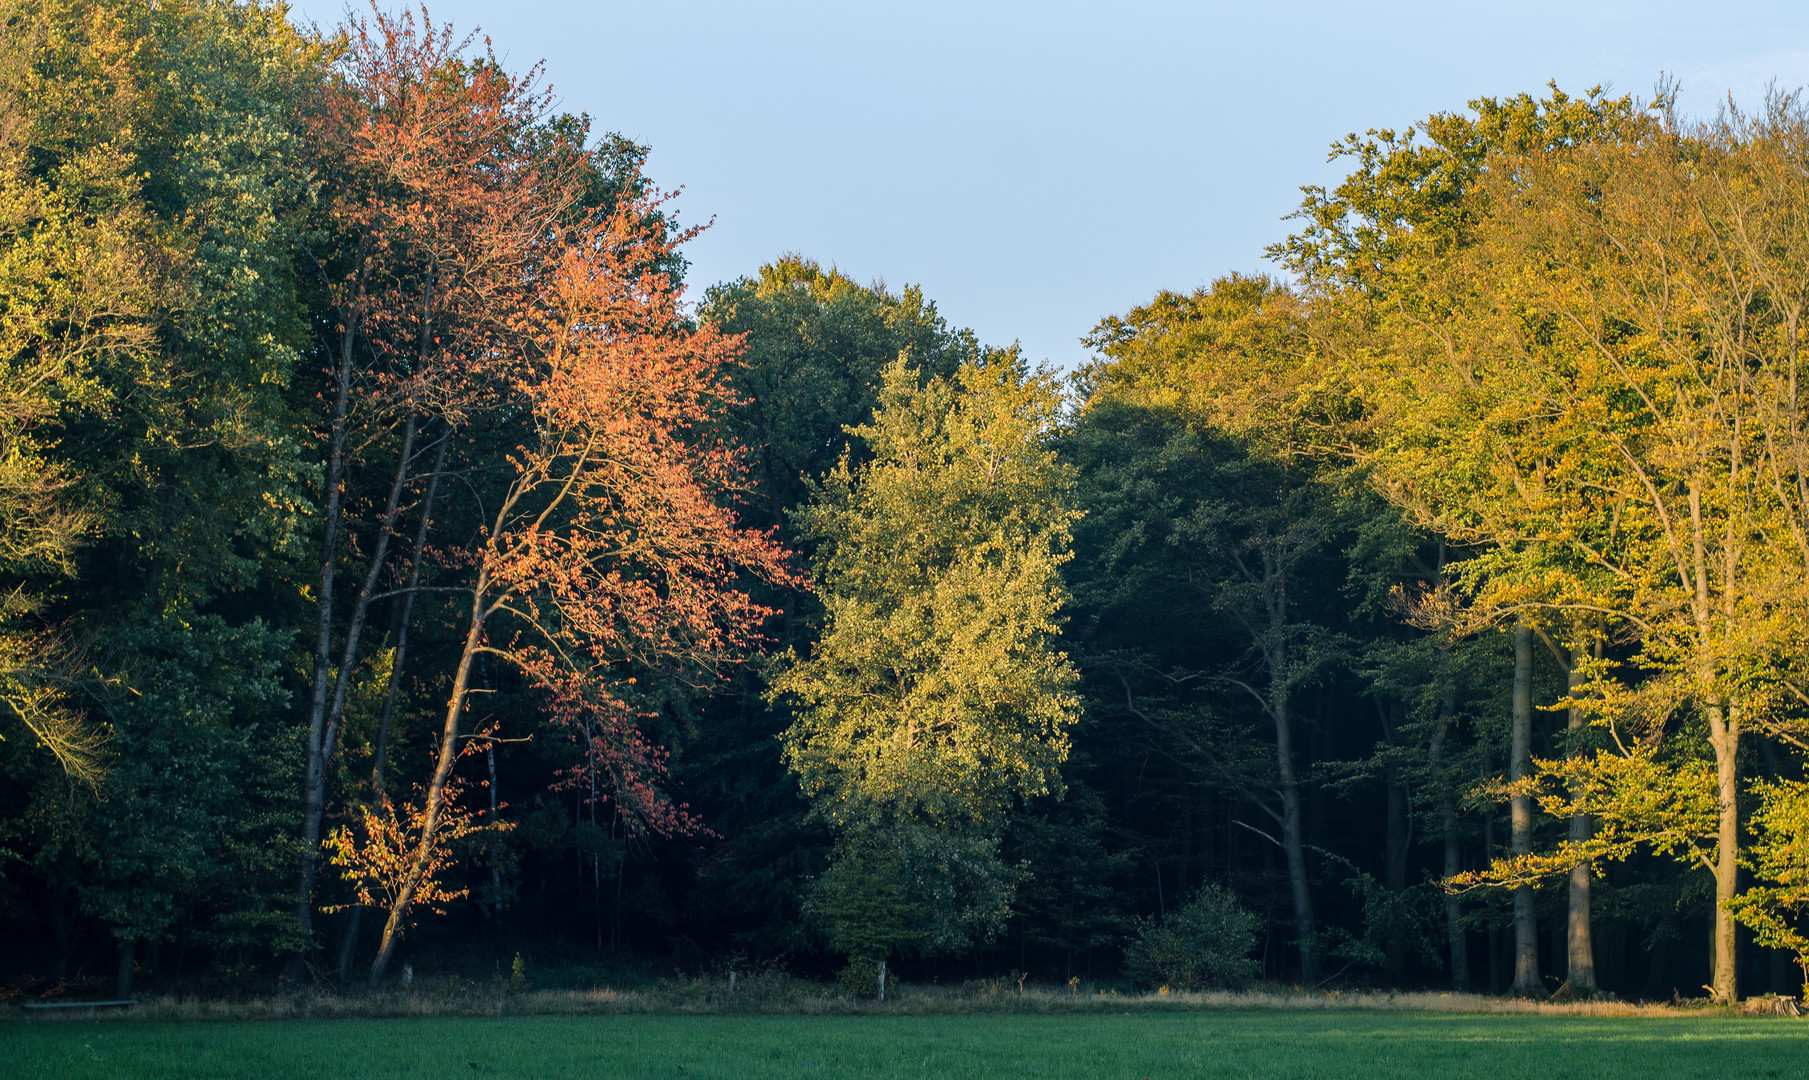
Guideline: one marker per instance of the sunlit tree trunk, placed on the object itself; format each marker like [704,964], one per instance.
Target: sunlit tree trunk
[482,606]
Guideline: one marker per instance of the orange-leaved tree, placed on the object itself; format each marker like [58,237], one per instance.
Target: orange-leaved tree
[613,553]
[442,183]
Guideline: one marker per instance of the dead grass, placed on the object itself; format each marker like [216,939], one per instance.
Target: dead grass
[781,995]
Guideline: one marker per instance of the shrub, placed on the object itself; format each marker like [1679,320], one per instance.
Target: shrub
[860,979]
[1205,942]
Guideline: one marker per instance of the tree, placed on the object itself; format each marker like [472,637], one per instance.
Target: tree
[154,485]
[443,185]
[1382,251]
[148,324]
[612,554]
[1597,388]
[935,696]
[816,346]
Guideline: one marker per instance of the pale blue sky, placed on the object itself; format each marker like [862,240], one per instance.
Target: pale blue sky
[1037,166]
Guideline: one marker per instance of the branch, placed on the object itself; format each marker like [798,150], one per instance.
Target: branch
[1258,832]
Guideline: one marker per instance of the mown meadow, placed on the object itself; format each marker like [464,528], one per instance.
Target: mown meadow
[1347,1044]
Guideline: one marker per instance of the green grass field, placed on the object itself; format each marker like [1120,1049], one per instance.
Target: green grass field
[1346,1046]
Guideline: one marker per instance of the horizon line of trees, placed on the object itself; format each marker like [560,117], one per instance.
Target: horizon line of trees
[392,562]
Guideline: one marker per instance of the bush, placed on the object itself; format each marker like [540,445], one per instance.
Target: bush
[860,979]
[1206,942]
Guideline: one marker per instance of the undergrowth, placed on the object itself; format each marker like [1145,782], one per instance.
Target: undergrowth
[777,994]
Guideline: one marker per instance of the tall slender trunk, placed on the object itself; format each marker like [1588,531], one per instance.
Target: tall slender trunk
[404,621]
[380,753]
[482,607]
[1293,845]
[1580,951]
[1526,942]
[1454,924]
[326,713]
[1724,737]
[1292,834]
[1457,940]
[323,716]
[1295,850]
[314,779]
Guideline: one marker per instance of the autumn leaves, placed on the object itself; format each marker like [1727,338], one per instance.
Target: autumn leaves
[498,296]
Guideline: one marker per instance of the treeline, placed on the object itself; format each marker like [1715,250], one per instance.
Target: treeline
[396,565]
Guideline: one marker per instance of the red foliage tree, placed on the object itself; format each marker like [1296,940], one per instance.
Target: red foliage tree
[442,190]
[614,552]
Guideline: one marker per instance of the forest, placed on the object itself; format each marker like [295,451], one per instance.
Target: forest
[405,569]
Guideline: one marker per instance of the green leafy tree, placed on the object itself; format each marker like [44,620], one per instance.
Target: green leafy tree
[935,696]
[154,491]
[816,344]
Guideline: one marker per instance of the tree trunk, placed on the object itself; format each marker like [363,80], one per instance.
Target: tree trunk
[1397,848]
[314,776]
[1291,843]
[1580,952]
[320,750]
[122,983]
[1724,736]
[380,753]
[1526,942]
[1454,913]
[404,620]
[1454,925]
[324,718]
[1275,655]
[348,944]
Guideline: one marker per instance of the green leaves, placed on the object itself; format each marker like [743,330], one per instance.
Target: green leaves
[936,696]
[936,683]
